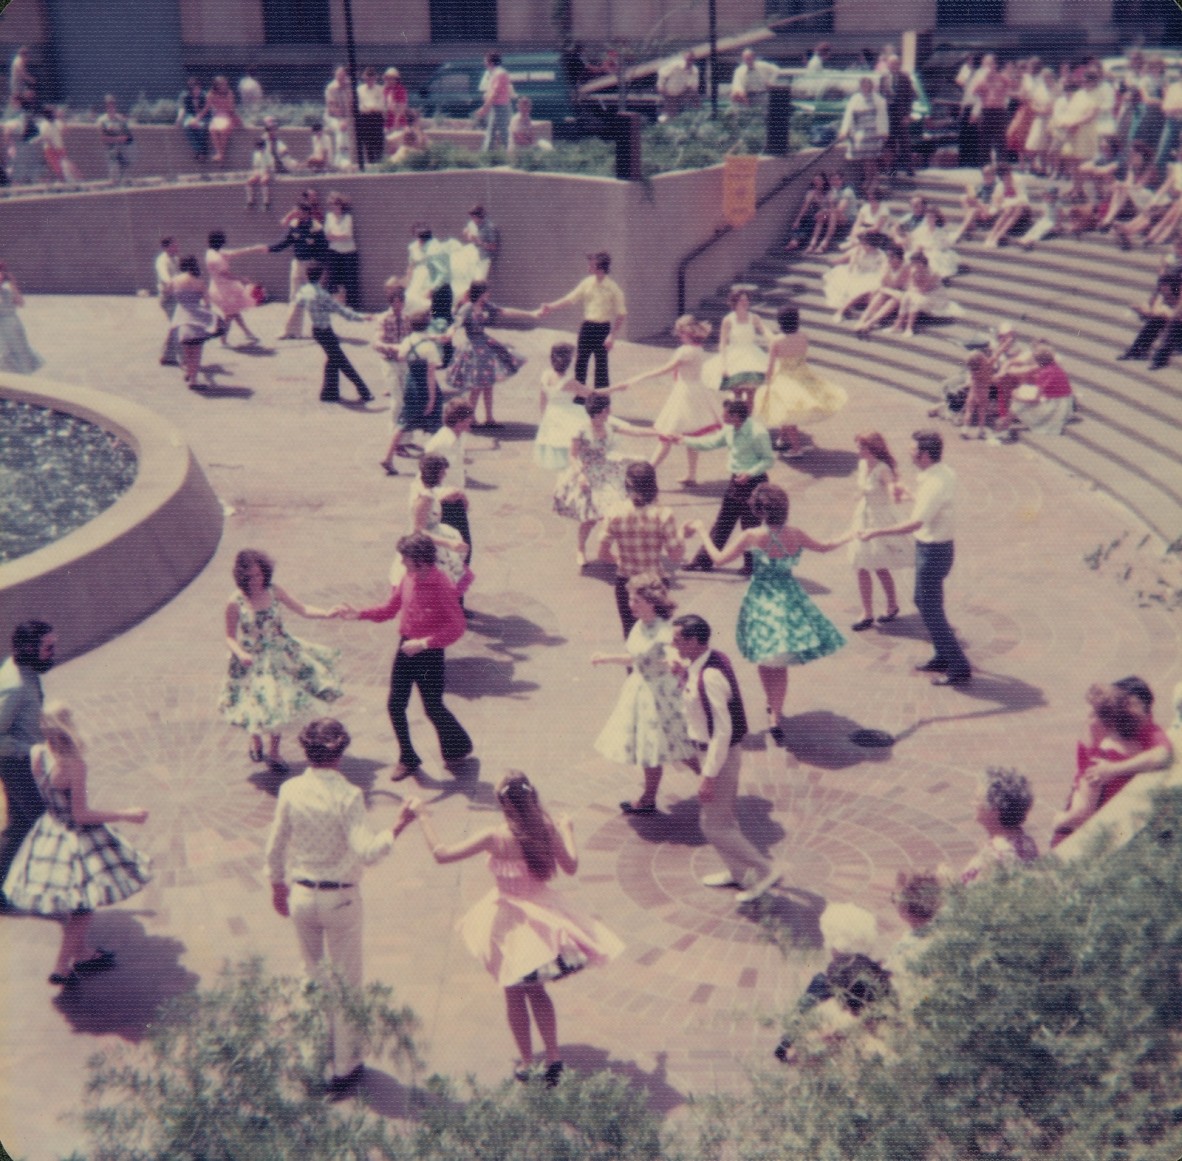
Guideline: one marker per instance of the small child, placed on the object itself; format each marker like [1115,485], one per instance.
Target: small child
[560,404]
[1002,808]
[450,442]
[976,407]
[393,328]
[320,159]
[262,171]
[321,306]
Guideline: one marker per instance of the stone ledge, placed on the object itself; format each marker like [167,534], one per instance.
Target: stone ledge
[106,576]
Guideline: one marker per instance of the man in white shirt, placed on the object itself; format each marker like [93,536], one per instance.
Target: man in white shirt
[677,82]
[932,522]
[316,851]
[250,95]
[716,723]
[749,82]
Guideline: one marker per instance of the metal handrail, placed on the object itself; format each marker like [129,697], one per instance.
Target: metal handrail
[721,232]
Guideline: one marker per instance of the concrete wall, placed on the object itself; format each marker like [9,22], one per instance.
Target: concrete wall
[547,222]
[129,560]
[857,16]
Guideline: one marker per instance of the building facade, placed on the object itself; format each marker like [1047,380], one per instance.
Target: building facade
[147,46]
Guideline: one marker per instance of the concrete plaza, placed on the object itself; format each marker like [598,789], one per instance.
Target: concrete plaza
[683,1011]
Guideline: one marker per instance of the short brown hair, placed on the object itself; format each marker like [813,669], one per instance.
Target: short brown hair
[242,566]
[640,482]
[931,443]
[324,741]
[650,586]
[457,411]
[769,505]
[418,548]
[432,469]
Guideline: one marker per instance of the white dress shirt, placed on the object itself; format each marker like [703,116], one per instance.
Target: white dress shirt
[933,504]
[718,693]
[320,831]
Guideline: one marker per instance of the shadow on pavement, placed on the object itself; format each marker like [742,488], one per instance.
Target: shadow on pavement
[1009,695]
[662,1096]
[822,738]
[820,462]
[477,677]
[508,432]
[125,1001]
[513,632]
[791,916]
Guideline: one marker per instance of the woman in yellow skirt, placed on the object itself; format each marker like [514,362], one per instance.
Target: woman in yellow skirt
[794,395]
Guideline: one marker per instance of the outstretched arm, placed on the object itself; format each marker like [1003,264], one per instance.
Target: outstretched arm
[297,606]
[751,538]
[456,851]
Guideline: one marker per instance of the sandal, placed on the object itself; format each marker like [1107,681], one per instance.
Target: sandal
[864,623]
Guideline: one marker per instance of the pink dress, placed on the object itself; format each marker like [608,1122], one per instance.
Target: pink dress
[524,930]
[229,295]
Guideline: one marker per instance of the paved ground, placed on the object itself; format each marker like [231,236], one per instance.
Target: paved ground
[681,1012]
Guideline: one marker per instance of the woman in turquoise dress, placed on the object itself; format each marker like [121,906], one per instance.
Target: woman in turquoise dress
[274,677]
[778,624]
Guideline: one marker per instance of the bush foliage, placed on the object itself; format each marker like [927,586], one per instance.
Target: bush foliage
[1039,1017]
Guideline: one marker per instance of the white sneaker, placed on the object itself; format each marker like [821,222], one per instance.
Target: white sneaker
[760,886]
[719,879]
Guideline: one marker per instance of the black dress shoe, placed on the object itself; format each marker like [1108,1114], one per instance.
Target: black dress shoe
[340,1087]
[935,665]
[864,623]
[953,679]
[631,808]
[699,566]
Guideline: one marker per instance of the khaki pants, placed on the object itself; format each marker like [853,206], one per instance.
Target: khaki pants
[721,826]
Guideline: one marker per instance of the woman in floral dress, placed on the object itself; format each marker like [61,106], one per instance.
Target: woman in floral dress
[647,727]
[778,624]
[273,676]
[594,482]
[484,362]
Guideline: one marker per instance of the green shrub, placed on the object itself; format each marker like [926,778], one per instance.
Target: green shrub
[1043,1019]
[235,1073]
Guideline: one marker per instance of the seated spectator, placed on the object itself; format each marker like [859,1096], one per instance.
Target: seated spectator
[931,237]
[849,987]
[872,218]
[1012,364]
[523,133]
[924,294]
[1004,802]
[837,214]
[856,276]
[1045,403]
[978,203]
[192,115]
[1162,201]
[1123,741]
[410,143]
[883,304]
[1130,189]
[1051,220]
[977,404]
[323,147]
[1011,203]
[806,224]
[1160,314]
[223,117]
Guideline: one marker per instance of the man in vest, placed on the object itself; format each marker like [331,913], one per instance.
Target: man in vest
[717,723]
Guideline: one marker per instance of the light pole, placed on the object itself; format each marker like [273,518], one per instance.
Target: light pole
[713,26]
[351,53]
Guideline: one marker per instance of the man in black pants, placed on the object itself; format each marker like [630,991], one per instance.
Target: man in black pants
[604,311]
[33,645]
[321,306]
[1161,315]
[308,244]
[749,457]
[429,620]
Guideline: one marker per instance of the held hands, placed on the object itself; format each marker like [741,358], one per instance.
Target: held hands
[599,659]
[279,893]
[409,812]
[343,613]
[136,814]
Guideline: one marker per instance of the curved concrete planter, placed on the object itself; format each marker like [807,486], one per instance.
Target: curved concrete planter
[129,560]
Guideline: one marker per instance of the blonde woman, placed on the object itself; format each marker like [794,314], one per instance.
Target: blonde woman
[878,493]
[71,862]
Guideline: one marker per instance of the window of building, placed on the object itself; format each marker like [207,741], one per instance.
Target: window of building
[463,19]
[816,15]
[970,12]
[297,22]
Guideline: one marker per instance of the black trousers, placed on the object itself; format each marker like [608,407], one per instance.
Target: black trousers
[1149,333]
[426,670]
[454,513]
[735,509]
[345,270]
[371,132]
[592,336]
[337,364]
[623,605]
[25,806]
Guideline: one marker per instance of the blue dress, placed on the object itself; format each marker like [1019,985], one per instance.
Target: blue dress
[777,619]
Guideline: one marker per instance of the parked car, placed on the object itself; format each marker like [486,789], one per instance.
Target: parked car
[454,91]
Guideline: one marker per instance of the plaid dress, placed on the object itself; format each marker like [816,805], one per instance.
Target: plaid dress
[62,868]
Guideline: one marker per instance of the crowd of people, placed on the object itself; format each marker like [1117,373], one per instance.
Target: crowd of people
[680,699]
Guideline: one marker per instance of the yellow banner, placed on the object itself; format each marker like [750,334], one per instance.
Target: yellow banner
[738,188]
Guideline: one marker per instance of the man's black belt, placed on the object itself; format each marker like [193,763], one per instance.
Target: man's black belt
[324,886]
